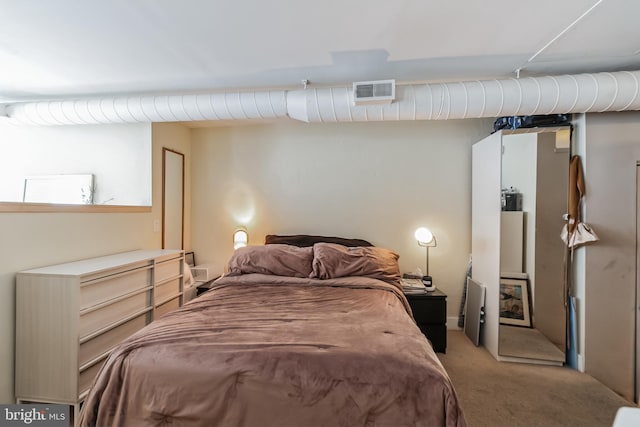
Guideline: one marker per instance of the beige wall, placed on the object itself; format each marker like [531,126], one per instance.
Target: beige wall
[612,150]
[37,239]
[376,181]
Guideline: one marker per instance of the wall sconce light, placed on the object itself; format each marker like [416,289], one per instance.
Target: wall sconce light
[240,238]
[425,238]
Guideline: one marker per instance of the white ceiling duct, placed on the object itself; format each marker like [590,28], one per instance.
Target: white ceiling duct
[166,108]
[582,93]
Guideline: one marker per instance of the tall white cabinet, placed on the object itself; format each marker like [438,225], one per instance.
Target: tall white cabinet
[69,317]
[522,243]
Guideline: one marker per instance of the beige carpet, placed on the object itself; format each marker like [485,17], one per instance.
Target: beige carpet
[503,394]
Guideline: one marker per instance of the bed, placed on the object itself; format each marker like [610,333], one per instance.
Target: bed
[319,335]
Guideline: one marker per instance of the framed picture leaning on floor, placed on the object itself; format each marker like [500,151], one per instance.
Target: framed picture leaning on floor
[514,302]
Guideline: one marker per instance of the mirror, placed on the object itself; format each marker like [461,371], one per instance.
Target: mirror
[172,199]
[535,182]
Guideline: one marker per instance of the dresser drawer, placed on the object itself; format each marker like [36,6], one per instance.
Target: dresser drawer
[167,270]
[87,376]
[97,346]
[167,290]
[94,320]
[104,289]
[429,310]
[167,307]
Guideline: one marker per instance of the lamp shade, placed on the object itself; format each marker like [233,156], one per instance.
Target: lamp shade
[425,237]
[240,238]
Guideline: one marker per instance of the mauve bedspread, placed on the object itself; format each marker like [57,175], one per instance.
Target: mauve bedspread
[261,350]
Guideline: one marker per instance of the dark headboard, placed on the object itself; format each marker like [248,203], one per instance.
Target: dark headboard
[304,240]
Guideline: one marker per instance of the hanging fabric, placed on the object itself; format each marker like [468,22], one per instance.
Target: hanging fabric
[575,232]
[576,190]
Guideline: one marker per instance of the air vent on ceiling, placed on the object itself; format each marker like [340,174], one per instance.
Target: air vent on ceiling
[374,92]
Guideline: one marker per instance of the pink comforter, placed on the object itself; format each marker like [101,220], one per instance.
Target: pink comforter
[262,350]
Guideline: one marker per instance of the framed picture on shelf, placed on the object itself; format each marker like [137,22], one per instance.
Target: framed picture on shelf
[190,259]
[514,302]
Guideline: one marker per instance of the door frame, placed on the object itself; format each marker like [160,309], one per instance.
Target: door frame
[636,368]
[172,191]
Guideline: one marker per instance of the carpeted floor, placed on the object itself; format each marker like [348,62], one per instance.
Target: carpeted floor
[501,394]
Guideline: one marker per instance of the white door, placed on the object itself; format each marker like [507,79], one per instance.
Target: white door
[485,231]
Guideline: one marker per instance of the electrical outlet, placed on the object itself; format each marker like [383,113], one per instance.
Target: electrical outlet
[156,226]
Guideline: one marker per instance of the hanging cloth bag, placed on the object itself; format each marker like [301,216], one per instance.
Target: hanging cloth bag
[581,235]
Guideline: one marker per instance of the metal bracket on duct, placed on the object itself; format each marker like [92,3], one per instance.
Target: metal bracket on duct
[581,93]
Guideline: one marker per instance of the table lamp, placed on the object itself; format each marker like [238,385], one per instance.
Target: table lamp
[425,238]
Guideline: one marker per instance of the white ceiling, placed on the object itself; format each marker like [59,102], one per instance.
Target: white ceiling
[72,48]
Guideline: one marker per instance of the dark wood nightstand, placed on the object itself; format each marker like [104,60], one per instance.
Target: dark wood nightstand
[430,312]
[203,287]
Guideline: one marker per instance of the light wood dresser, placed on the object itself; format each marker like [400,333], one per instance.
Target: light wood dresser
[70,316]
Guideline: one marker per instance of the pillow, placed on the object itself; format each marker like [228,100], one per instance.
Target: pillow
[304,240]
[277,260]
[331,261]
